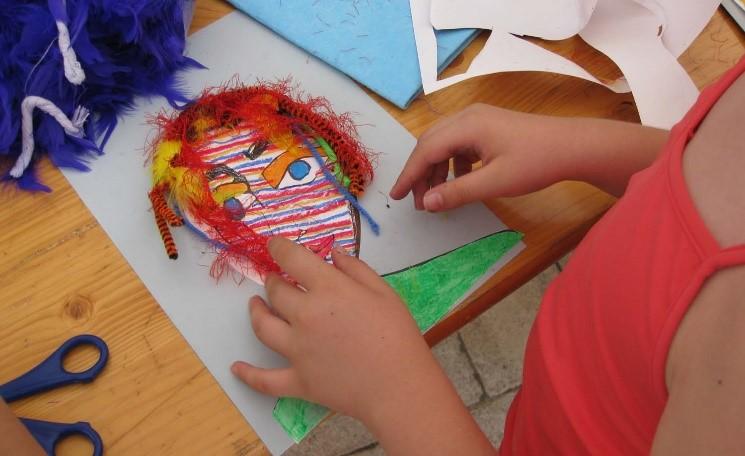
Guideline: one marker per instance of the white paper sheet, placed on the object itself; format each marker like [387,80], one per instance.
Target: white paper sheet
[213,317]
[625,30]
[684,20]
[503,52]
[736,9]
[548,19]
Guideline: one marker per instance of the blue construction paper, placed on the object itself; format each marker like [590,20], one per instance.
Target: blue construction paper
[370,40]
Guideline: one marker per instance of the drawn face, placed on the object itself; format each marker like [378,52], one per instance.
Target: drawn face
[281,191]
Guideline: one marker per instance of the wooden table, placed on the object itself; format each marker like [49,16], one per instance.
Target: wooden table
[60,275]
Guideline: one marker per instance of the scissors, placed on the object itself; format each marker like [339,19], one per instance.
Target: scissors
[50,374]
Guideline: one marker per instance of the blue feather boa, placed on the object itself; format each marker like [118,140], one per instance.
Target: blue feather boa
[126,49]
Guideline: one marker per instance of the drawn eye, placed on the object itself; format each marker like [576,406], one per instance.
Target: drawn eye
[299,169]
[299,172]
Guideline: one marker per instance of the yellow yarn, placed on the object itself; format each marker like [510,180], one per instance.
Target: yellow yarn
[183,185]
[162,170]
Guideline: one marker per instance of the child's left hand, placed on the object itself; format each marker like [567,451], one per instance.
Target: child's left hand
[350,340]
[354,347]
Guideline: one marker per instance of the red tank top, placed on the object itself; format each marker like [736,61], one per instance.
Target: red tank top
[594,373]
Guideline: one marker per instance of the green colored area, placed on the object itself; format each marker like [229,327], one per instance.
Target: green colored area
[430,290]
[298,417]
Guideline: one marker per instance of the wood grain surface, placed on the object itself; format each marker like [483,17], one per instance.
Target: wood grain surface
[60,275]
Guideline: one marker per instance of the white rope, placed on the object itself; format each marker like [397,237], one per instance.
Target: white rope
[73,71]
[72,127]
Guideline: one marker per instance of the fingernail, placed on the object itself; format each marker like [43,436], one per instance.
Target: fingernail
[433,201]
[234,368]
[271,245]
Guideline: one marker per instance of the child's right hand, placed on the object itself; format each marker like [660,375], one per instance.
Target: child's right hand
[516,152]
[521,153]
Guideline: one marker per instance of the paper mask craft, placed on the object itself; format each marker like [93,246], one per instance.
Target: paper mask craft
[244,164]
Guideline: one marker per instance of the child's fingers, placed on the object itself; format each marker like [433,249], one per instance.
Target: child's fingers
[475,186]
[440,124]
[300,263]
[272,382]
[450,140]
[436,175]
[419,189]
[271,330]
[439,173]
[462,166]
[283,296]
[358,270]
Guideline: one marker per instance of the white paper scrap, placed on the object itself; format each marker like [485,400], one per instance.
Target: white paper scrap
[627,32]
[503,52]
[548,19]
[684,20]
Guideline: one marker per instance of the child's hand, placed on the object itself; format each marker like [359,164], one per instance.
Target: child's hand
[354,347]
[16,439]
[351,343]
[521,153]
[517,158]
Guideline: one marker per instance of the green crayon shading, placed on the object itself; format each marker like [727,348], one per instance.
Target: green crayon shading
[429,289]
[298,417]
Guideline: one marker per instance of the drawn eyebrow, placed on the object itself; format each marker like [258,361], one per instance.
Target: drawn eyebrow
[255,150]
[220,170]
[275,171]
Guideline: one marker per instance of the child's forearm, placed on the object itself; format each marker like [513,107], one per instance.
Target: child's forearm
[14,437]
[607,153]
[427,417]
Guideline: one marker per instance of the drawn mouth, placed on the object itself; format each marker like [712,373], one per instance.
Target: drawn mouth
[321,247]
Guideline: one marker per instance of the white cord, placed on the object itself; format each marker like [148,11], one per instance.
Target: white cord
[72,127]
[73,71]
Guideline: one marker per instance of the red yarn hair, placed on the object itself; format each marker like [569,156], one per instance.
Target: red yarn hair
[272,110]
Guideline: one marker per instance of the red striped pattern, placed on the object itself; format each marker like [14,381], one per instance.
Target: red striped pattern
[311,214]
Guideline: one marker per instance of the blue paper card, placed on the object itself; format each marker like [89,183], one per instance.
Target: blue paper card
[370,40]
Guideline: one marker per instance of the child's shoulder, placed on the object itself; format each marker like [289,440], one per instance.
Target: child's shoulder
[705,371]
[714,167]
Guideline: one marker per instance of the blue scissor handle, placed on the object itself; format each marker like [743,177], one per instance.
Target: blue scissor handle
[51,373]
[48,434]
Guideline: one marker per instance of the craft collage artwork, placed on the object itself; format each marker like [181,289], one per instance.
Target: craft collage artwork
[241,154]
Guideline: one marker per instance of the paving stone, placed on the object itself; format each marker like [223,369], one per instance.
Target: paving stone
[496,340]
[491,414]
[563,262]
[336,436]
[455,363]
